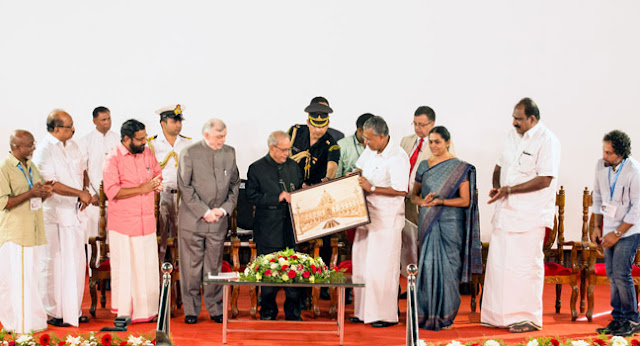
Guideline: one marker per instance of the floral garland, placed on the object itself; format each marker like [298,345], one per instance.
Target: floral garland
[290,266]
[46,339]
[600,340]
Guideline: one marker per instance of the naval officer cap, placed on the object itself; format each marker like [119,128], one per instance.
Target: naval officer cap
[318,113]
[171,111]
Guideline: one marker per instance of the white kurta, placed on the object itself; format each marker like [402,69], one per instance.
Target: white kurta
[95,146]
[22,311]
[514,277]
[376,247]
[62,259]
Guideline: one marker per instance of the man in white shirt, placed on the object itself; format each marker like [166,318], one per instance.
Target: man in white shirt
[524,182]
[95,146]
[59,159]
[616,208]
[167,148]
[376,247]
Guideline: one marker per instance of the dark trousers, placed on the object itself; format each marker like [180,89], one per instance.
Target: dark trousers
[268,306]
[618,262]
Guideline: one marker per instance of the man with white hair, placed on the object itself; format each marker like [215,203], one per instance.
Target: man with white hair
[167,148]
[208,180]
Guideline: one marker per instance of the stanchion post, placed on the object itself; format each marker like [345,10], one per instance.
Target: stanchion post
[412,311]
[165,299]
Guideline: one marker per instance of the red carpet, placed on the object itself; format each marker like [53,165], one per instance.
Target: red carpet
[465,329]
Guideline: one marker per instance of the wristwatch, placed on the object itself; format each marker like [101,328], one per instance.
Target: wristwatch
[373,188]
[617,233]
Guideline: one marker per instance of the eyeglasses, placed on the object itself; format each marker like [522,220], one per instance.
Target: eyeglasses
[65,127]
[420,124]
[284,150]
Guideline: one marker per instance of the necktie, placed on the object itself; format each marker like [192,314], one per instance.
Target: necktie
[414,156]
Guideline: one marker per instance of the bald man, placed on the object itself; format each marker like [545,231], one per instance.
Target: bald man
[22,191]
[60,160]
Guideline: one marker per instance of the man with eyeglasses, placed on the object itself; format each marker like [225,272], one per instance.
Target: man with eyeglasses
[417,148]
[59,159]
[22,237]
[270,180]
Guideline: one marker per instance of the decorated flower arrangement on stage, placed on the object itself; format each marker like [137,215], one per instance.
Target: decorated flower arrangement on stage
[50,339]
[290,266]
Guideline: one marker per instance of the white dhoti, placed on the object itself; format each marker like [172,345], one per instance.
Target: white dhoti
[376,260]
[63,267]
[22,311]
[134,276]
[514,278]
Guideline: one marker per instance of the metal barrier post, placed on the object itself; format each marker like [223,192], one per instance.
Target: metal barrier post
[413,337]
[164,313]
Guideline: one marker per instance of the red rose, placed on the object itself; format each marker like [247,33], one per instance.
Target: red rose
[153,341]
[124,343]
[267,272]
[474,344]
[600,342]
[635,342]
[12,343]
[554,342]
[284,267]
[45,339]
[272,260]
[291,274]
[62,343]
[306,274]
[293,257]
[106,340]
[313,268]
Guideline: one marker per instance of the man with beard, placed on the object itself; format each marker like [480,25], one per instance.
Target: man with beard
[59,159]
[22,236]
[524,189]
[131,176]
[616,209]
[167,148]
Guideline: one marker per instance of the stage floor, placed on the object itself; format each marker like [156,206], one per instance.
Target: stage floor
[465,329]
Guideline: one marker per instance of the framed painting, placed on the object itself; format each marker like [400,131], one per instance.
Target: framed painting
[327,208]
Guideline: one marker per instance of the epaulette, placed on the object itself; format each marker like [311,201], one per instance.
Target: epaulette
[185,137]
[333,147]
[149,139]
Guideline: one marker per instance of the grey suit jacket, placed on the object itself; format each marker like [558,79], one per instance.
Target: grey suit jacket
[207,179]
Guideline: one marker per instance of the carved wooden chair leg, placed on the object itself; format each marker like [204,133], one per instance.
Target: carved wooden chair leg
[474,293]
[333,292]
[574,298]
[558,294]
[315,297]
[94,296]
[583,290]
[235,292]
[103,295]
[253,294]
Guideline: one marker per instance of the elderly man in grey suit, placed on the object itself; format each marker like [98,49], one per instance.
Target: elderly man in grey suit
[208,181]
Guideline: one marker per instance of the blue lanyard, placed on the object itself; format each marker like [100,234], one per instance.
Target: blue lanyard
[30,181]
[613,187]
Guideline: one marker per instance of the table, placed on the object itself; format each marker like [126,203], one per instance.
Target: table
[227,281]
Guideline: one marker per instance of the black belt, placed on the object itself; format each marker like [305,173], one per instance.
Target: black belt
[271,207]
[172,191]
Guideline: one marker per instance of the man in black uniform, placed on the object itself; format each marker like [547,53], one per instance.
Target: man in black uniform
[269,182]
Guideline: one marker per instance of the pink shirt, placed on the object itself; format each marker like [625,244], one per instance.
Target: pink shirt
[133,216]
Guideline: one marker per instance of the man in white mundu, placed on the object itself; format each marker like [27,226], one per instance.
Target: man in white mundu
[63,260]
[95,146]
[21,237]
[376,248]
[524,182]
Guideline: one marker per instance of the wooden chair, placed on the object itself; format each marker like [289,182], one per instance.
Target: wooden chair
[596,270]
[99,264]
[477,280]
[232,246]
[554,270]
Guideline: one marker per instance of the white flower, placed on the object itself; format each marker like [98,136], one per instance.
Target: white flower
[533,342]
[422,343]
[491,343]
[247,271]
[283,261]
[454,343]
[285,277]
[274,265]
[24,338]
[619,341]
[579,343]
[136,341]
[71,341]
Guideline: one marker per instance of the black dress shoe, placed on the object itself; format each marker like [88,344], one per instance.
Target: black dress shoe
[57,322]
[297,318]
[267,317]
[324,293]
[403,295]
[383,324]
[190,319]
[355,319]
[83,319]
[217,318]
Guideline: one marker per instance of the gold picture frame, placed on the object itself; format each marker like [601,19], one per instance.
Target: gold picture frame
[327,208]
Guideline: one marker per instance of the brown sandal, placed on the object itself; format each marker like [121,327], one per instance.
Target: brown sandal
[522,327]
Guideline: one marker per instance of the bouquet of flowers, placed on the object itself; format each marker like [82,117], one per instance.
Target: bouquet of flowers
[290,266]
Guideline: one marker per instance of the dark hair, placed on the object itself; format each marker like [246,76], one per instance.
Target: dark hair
[442,131]
[53,120]
[319,99]
[130,127]
[620,142]
[363,119]
[100,109]
[426,110]
[530,107]
[377,125]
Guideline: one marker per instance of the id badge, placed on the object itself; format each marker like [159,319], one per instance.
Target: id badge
[36,203]
[608,210]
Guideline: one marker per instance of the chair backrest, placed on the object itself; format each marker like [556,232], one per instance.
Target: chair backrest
[557,231]
[587,202]
[245,211]
[102,225]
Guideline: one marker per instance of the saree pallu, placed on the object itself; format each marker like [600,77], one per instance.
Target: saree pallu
[450,250]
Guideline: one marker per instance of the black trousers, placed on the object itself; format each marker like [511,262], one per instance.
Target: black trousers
[268,306]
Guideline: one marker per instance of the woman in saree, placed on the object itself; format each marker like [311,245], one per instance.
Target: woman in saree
[449,235]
